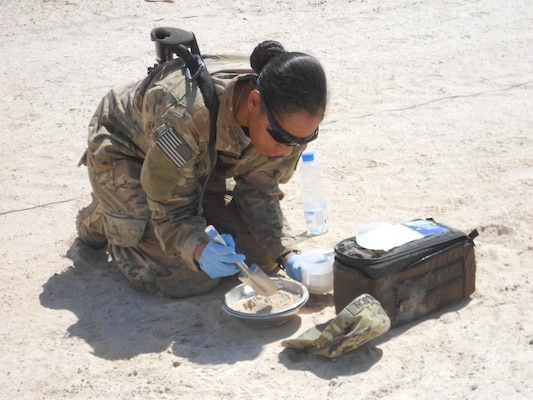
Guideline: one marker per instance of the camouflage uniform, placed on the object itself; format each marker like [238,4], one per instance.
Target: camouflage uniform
[148,158]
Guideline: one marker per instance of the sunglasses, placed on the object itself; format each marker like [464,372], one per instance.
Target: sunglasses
[280,135]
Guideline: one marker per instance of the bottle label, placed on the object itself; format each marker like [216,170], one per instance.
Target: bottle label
[316,221]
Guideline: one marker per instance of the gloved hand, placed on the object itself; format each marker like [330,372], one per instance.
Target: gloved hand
[218,260]
[292,267]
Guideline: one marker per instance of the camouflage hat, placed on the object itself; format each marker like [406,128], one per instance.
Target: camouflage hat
[359,322]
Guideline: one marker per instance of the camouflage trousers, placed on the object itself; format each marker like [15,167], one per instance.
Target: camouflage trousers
[115,181]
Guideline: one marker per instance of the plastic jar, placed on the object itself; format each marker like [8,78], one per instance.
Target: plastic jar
[317,270]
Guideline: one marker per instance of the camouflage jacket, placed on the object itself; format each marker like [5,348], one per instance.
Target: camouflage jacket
[163,120]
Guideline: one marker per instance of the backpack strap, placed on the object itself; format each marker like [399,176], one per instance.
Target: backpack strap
[170,41]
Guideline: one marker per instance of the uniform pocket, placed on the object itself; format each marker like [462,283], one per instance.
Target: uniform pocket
[123,231]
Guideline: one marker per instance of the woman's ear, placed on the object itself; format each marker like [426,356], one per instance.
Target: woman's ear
[254,100]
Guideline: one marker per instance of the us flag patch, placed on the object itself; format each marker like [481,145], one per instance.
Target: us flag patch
[174,147]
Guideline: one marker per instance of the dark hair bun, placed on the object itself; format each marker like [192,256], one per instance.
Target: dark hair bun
[263,53]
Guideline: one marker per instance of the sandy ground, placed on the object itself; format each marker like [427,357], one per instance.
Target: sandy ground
[430,116]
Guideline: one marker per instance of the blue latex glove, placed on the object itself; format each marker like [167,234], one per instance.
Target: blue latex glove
[218,260]
[292,267]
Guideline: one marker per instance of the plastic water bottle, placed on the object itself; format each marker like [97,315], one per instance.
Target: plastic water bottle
[313,196]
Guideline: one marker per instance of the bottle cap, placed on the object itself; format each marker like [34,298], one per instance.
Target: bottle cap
[308,156]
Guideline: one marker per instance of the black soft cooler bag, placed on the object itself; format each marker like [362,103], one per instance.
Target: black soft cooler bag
[411,280]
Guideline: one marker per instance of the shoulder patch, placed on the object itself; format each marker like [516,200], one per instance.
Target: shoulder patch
[174,147]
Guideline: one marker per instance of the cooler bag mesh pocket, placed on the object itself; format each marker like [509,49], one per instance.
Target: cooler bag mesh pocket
[442,279]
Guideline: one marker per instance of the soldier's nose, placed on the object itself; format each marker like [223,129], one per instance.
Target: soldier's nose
[284,150]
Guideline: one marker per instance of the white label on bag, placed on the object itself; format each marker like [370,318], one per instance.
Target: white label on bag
[384,236]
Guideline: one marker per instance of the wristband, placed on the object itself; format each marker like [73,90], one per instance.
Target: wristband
[280,258]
